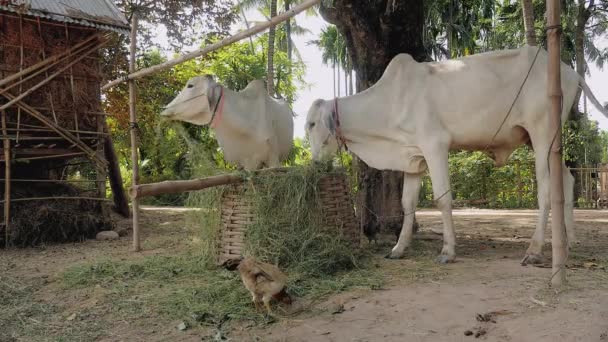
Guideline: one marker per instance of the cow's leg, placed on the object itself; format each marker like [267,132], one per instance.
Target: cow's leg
[534,254]
[437,162]
[569,204]
[409,199]
[273,160]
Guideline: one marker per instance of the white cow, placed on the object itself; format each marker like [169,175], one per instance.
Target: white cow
[417,112]
[252,129]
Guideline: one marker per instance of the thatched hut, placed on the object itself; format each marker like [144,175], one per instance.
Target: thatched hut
[56,152]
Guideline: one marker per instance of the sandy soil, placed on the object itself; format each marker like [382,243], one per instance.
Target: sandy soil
[487,278]
[439,305]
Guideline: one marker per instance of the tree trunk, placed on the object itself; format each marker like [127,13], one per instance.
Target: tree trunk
[338,77]
[375,32]
[351,90]
[288,32]
[121,203]
[528,14]
[334,70]
[345,81]
[271,36]
[247,26]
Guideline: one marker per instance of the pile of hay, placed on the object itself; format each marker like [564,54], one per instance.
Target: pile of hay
[288,230]
[48,221]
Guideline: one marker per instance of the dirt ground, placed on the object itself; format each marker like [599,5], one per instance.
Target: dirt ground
[434,303]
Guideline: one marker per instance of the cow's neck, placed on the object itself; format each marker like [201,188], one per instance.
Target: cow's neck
[231,119]
[364,115]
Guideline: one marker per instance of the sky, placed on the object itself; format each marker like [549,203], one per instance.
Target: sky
[320,82]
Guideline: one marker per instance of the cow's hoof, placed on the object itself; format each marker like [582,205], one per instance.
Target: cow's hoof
[395,255]
[532,259]
[445,259]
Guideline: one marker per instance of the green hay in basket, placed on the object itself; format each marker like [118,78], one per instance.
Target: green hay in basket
[289,229]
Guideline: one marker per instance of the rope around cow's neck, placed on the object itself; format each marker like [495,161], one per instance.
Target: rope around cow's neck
[218,104]
[338,131]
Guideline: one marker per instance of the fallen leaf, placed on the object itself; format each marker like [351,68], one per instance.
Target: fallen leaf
[182,326]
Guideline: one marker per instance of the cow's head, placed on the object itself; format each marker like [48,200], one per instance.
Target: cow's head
[320,129]
[194,103]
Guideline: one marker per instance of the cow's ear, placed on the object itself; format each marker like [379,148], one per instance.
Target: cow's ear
[330,121]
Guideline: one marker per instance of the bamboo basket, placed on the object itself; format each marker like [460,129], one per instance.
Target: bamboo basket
[237,213]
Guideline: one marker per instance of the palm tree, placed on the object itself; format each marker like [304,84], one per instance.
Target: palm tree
[327,43]
[528,14]
[268,8]
[271,35]
[334,51]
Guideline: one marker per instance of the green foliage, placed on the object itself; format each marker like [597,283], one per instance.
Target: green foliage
[584,144]
[474,177]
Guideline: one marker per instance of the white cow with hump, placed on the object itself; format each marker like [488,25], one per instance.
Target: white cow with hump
[252,129]
[417,112]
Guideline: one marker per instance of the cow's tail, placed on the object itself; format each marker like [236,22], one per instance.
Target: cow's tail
[592,97]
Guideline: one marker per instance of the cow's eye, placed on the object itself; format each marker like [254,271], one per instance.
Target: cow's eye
[311,125]
[190,86]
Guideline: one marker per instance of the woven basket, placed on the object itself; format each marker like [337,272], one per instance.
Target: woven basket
[237,213]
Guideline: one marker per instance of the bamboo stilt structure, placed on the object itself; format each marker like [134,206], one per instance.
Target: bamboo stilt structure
[43,63]
[57,73]
[59,130]
[133,127]
[558,230]
[7,182]
[212,47]
[24,76]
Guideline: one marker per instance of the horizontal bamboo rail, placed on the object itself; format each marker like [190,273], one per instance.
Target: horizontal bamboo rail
[174,187]
[212,47]
[57,198]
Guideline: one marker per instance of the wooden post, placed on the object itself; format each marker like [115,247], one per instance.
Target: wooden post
[558,233]
[133,127]
[7,181]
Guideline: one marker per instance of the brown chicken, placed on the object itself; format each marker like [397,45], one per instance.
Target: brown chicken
[264,281]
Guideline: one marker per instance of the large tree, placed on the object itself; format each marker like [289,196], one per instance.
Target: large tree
[375,32]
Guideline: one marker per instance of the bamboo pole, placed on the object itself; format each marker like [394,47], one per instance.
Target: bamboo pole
[133,127]
[57,198]
[65,155]
[212,47]
[558,234]
[172,187]
[48,79]
[7,182]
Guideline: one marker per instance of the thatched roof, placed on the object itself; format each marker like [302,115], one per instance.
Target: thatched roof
[102,14]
